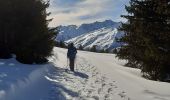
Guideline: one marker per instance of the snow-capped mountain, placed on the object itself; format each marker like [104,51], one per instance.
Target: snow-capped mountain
[100,34]
[71,31]
[104,38]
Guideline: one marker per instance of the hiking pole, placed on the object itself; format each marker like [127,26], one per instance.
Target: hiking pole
[75,63]
[67,64]
[66,68]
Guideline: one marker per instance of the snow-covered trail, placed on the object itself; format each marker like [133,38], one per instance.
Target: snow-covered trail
[96,77]
[108,79]
[87,83]
[53,82]
[129,79]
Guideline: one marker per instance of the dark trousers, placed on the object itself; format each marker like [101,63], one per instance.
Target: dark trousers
[71,64]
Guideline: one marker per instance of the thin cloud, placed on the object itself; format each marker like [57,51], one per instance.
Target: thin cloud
[67,12]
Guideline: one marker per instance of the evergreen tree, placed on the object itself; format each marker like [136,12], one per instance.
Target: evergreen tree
[80,47]
[147,37]
[101,51]
[93,49]
[106,50]
[114,51]
[6,20]
[27,32]
[62,44]
[57,44]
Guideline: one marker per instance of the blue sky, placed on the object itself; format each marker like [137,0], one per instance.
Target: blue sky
[66,12]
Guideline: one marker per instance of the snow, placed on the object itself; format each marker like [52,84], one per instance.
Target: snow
[22,82]
[129,79]
[96,77]
[72,31]
[100,34]
[104,38]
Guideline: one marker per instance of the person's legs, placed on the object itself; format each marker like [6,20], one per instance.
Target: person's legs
[72,64]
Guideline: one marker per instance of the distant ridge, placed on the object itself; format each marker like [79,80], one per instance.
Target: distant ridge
[100,34]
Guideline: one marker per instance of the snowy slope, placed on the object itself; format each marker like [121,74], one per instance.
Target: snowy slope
[97,77]
[104,38]
[102,34]
[71,31]
[23,82]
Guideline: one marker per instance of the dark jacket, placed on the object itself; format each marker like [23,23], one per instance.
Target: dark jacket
[72,51]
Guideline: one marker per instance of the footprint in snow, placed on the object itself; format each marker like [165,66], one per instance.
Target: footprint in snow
[96,97]
[103,85]
[106,97]
[122,94]
[109,90]
[99,90]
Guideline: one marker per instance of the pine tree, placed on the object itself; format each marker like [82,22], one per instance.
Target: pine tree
[147,37]
[106,50]
[62,44]
[6,19]
[101,51]
[27,32]
[93,49]
[39,40]
[81,47]
[114,51]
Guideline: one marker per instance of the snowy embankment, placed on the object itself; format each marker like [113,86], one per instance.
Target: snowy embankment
[22,82]
[97,77]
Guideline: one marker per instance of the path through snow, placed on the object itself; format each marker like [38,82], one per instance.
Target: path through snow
[97,77]
[103,77]
[86,83]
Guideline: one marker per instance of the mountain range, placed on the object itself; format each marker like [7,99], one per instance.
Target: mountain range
[100,34]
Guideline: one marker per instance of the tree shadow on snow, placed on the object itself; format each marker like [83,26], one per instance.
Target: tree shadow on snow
[69,92]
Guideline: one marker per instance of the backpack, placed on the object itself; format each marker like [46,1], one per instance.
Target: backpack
[71,54]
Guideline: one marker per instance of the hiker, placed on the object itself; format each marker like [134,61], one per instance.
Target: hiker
[71,55]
